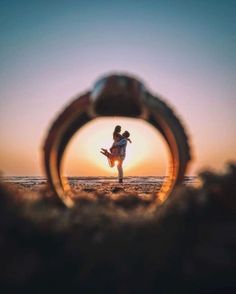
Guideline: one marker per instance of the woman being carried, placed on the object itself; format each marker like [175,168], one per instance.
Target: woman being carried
[117,150]
[114,151]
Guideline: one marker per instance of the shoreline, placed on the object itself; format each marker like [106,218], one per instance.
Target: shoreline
[32,188]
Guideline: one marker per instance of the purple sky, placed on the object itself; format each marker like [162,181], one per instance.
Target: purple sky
[50,51]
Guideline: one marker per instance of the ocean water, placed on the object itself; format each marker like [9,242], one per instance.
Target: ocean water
[39,180]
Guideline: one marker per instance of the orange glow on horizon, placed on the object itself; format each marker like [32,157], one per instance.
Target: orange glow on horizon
[146,155]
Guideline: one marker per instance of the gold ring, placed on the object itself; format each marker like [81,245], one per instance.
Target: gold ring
[116,95]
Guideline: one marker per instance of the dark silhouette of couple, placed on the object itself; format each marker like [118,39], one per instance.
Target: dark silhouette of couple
[118,150]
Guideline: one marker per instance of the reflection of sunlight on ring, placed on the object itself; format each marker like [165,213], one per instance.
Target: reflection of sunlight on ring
[147,155]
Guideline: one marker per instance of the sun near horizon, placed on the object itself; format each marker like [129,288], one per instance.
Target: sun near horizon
[147,155]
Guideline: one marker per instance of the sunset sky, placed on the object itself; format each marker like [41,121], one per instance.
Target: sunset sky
[147,154]
[52,50]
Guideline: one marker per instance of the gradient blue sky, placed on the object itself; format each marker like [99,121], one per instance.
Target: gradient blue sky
[51,50]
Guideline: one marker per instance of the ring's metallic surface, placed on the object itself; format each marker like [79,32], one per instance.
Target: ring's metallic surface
[116,95]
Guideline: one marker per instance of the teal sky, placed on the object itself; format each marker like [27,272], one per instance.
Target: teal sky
[52,50]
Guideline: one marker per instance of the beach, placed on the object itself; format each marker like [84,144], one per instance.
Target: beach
[143,187]
[111,245]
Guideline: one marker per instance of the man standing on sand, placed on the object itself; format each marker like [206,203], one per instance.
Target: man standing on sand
[122,152]
[118,151]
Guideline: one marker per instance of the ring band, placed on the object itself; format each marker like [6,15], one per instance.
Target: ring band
[116,95]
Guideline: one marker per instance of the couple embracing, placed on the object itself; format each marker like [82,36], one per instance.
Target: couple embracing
[118,150]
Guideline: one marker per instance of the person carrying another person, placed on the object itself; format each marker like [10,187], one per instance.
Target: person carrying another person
[118,150]
[122,153]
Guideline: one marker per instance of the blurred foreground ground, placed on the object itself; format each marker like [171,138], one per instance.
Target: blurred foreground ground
[114,245]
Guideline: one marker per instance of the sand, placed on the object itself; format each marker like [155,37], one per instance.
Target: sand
[143,187]
[186,246]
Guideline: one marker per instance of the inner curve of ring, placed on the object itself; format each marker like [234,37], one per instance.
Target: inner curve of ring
[77,115]
[162,194]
